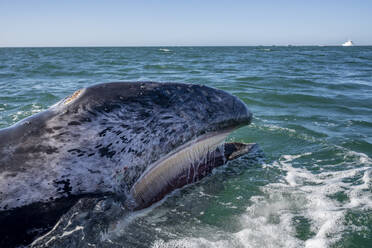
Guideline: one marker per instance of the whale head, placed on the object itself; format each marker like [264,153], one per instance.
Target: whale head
[130,138]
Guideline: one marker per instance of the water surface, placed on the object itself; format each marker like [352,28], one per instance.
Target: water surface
[312,117]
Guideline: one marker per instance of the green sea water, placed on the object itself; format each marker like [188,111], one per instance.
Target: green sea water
[312,111]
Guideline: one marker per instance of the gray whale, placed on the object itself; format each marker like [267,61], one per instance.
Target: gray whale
[135,140]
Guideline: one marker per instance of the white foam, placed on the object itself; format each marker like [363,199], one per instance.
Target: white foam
[272,127]
[21,114]
[270,220]
[267,224]
[362,158]
[190,242]
[326,214]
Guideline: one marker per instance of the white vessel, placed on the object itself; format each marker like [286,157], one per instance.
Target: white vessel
[348,43]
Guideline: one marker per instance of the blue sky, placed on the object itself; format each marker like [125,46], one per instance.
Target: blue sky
[178,22]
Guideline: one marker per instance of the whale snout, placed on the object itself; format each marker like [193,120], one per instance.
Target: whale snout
[237,112]
[229,111]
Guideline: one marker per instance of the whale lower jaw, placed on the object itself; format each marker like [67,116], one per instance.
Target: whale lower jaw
[187,164]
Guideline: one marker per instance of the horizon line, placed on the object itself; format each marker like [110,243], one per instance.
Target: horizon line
[143,46]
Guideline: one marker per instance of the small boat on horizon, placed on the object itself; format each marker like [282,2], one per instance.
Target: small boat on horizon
[348,43]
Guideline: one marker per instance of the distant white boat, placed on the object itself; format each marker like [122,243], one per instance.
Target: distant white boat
[348,43]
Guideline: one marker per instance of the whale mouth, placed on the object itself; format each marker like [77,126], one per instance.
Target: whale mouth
[187,164]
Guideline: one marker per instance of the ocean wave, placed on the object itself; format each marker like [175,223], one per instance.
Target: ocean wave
[164,50]
[21,114]
[165,67]
[249,79]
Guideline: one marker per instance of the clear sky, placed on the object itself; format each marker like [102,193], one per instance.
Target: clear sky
[179,22]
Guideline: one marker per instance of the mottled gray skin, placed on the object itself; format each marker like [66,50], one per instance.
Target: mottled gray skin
[101,139]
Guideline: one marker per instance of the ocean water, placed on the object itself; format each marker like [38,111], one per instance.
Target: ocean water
[312,111]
